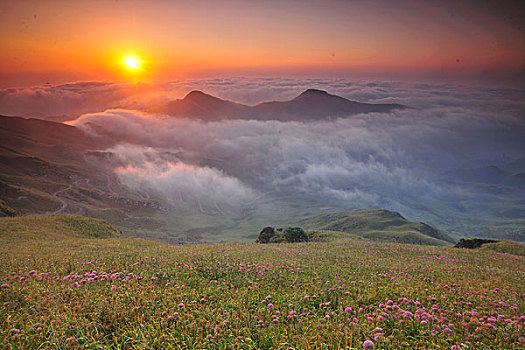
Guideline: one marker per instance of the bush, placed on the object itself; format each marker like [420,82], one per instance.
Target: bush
[473,243]
[295,234]
[290,235]
[265,235]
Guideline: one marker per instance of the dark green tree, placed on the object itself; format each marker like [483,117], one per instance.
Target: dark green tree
[295,234]
[265,235]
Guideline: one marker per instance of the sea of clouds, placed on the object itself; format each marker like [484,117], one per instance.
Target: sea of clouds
[398,160]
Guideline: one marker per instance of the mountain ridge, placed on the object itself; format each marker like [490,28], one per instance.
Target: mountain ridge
[378,225]
[310,105]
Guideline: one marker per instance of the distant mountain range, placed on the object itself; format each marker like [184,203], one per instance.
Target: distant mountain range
[310,105]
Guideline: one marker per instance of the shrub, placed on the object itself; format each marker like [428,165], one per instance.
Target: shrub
[265,235]
[295,234]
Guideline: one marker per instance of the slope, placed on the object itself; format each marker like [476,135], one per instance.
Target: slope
[378,225]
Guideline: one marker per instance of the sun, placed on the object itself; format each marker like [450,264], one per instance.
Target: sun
[133,63]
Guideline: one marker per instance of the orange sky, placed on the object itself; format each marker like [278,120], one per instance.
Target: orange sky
[59,41]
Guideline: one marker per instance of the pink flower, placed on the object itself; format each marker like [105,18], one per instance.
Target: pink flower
[368,344]
[348,309]
[181,305]
[4,286]
[14,331]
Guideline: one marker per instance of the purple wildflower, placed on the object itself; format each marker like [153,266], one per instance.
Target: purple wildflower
[368,344]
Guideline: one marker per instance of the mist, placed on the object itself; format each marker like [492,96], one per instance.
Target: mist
[402,161]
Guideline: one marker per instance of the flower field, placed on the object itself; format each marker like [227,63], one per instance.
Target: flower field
[123,293]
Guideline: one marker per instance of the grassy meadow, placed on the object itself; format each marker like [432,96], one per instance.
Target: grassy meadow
[74,283]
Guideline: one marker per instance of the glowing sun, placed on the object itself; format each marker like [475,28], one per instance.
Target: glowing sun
[132,63]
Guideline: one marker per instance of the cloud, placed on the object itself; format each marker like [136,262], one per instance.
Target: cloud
[68,101]
[398,161]
[180,184]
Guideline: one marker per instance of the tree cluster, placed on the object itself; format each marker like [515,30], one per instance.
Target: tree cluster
[289,235]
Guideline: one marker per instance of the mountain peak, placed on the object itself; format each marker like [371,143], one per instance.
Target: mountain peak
[313,92]
[197,94]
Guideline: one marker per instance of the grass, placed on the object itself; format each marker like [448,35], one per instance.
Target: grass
[53,227]
[505,247]
[378,225]
[79,292]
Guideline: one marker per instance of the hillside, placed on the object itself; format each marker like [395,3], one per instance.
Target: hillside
[48,167]
[506,247]
[6,210]
[53,227]
[95,293]
[378,225]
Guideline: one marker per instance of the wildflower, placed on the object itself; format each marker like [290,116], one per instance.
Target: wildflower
[75,285]
[14,331]
[270,305]
[181,305]
[4,286]
[368,344]
[113,287]
[70,340]
[378,330]
[348,309]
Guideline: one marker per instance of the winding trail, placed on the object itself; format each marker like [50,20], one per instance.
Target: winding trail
[63,202]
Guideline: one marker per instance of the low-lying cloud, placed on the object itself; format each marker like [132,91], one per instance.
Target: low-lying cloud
[401,161]
[68,101]
[152,174]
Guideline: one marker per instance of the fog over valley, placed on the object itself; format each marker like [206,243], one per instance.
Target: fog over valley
[454,160]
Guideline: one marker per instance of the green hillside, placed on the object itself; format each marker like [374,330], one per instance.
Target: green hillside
[69,282]
[505,247]
[48,167]
[53,227]
[378,225]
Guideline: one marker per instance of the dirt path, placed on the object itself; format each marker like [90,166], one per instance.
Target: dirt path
[63,202]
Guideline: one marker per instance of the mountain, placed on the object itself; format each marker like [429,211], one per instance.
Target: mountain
[199,105]
[378,225]
[315,104]
[49,167]
[310,105]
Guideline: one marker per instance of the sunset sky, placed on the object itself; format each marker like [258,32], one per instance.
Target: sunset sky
[63,41]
